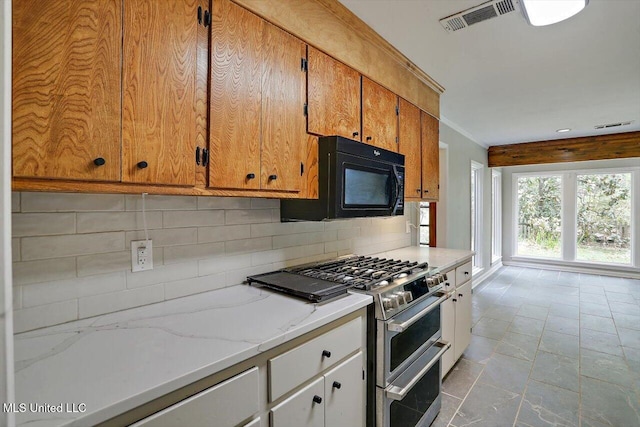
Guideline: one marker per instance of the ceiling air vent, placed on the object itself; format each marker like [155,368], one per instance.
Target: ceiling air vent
[482,12]
[613,125]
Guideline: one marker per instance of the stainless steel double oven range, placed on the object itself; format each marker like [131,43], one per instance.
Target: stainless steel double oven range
[404,334]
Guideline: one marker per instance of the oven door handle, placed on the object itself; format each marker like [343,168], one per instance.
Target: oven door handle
[401,327]
[399,393]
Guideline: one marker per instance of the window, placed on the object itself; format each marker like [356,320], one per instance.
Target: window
[539,220]
[603,226]
[496,215]
[578,216]
[477,172]
[427,224]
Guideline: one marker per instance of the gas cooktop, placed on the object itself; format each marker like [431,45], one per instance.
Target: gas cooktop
[319,282]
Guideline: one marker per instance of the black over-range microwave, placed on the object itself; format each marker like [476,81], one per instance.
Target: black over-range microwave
[354,180]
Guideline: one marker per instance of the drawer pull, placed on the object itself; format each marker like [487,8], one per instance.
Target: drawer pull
[326,353]
[369,138]
[273,177]
[460,295]
[466,273]
[142,164]
[337,385]
[251,175]
[317,399]
[99,161]
[356,134]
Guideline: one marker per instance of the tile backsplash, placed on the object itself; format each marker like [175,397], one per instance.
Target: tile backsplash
[72,256]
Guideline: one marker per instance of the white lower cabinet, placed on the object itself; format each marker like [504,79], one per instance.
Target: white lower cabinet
[344,394]
[335,399]
[223,405]
[456,317]
[303,409]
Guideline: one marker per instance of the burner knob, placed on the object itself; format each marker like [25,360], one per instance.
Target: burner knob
[401,299]
[431,282]
[408,296]
[395,301]
[386,304]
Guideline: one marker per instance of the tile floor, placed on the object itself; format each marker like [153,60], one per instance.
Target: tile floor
[548,348]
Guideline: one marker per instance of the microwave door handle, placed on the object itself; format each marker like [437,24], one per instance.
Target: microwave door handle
[399,393]
[398,197]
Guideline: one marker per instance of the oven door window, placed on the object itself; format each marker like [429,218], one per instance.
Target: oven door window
[404,344]
[367,187]
[408,411]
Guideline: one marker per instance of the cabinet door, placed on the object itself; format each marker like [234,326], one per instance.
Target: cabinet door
[304,409]
[333,97]
[463,318]
[448,324]
[344,391]
[235,99]
[409,145]
[223,405]
[66,89]
[430,157]
[159,79]
[379,116]
[284,134]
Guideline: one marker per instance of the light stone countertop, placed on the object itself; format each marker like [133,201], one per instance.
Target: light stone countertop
[119,361]
[116,362]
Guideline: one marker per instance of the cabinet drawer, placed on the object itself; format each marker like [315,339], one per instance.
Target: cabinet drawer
[463,273]
[223,405]
[303,409]
[296,366]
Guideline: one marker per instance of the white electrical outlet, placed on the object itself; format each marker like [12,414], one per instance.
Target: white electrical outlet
[141,255]
[407,227]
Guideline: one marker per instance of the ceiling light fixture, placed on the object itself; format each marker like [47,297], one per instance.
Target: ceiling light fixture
[563,130]
[547,12]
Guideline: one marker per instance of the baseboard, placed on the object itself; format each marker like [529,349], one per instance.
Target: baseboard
[477,281]
[574,269]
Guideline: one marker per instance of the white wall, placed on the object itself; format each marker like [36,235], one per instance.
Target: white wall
[457,220]
[508,249]
[6,325]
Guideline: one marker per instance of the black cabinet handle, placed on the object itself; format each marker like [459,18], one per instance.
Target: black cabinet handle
[251,175]
[205,157]
[317,399]
[447,284]
[199,14]
[326,353]
[198,156]
[273,177]
[142,164]
[369,138]
[337,385]
[99,161]
[207,18]
[356,134]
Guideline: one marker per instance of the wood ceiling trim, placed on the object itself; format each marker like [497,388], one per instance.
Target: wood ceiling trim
[601,147]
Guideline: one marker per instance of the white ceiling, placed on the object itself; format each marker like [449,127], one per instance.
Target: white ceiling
[506,81]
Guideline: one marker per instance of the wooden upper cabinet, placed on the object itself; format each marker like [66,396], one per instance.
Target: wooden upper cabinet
[430,157]
[159,78]
[258,130]
[379,116]
[333,97]
[236,97]
[409,144]
[284,135]
[66,89]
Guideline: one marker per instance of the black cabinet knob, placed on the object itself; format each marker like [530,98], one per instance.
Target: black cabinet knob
[317,399]
[99,161]
[251,175]
[273,177]
[460,295]
[418,190]
[454,300]
[356,134]
[142,164]
[466,273]
[447,284]
[369,138]
[326,353]
[337,385]
[426,191]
